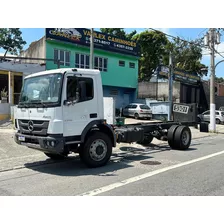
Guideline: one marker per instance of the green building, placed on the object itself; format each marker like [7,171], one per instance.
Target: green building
[117,59]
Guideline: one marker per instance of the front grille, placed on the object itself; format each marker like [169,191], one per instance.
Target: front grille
[38,127]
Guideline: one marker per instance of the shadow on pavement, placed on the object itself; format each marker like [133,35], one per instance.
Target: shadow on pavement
[186,150]
[149,149]
[72,166]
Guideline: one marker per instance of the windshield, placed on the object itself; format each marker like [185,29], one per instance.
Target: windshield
[43,89]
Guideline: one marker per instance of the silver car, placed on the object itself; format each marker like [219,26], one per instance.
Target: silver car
[219,116]
[137,111]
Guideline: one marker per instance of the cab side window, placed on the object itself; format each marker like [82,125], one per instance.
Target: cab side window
[79,89]
[72,89]
[89,90]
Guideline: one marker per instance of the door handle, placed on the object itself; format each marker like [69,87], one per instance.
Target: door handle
[93,115]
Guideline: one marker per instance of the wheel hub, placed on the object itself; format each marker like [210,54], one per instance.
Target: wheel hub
[185,137]
[98,150]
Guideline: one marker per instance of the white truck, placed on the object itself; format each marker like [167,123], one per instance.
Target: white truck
[62,111]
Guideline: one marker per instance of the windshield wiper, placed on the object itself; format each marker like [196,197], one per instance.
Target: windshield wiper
[23,105]
[37,102]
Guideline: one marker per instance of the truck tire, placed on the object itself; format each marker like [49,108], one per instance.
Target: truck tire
[55,156]
[170,135]
[146,141]
[182,138]
[97,150]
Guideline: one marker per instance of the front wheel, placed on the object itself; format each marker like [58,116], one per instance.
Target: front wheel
[217,121]
[97,150]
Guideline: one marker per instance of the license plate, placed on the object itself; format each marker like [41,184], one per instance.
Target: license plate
[180,108]
[22,138]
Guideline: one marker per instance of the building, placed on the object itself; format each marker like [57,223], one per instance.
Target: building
[219,87]
[12,72]
[187,88]
[117,59]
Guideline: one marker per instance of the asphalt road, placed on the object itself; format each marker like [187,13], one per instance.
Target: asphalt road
[155,170]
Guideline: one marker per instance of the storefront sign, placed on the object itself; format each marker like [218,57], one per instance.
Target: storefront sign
[179,75]
[101,40]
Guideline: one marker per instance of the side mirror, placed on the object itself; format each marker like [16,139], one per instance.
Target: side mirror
[67,102]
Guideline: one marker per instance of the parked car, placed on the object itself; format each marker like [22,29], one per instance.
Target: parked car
[219,116]
[137,111]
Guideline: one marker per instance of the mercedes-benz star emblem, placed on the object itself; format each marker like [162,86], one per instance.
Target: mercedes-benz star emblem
[30,125]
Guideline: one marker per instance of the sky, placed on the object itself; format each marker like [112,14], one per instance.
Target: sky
[33,34]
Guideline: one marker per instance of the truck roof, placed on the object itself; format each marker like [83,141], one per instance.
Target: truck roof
[63,70]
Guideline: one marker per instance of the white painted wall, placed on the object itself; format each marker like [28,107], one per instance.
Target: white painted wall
[37,49]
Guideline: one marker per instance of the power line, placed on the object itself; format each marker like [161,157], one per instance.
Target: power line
[187,41]
[177,38]
[202,32]
[216,52]
[219,53]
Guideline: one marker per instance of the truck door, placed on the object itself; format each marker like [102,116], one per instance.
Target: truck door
[79,104]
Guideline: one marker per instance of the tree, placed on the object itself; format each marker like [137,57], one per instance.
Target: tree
[153,48]
[11,40]
[187,55]
[219,79]
[119,32]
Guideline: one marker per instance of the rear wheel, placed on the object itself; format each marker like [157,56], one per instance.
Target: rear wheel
[55,156]
[182,138]
[170,135]
[217,121]
[97,150]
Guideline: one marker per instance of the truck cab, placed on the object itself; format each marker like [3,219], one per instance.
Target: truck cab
[61,111]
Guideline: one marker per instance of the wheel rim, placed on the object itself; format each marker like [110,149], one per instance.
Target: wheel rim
[136,116]
[185,137]
[98,150]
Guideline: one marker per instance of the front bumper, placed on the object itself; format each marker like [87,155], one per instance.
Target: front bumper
[40,143]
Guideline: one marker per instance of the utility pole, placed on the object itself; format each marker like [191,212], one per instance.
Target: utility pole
[92,49]
[170,85]
[211,38]
[212,83]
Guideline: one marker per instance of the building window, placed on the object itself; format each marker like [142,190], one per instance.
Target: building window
[131,65]
[62,56]
[100,63]
[81,60]
[122,63]
[114,92]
